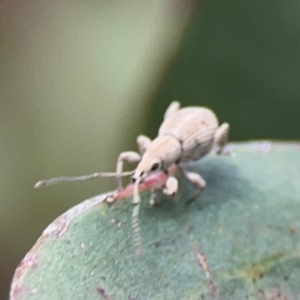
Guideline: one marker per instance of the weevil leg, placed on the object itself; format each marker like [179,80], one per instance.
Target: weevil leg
[221,137]
[171,186]
[170,189]
[136,230]
[195,179]
[143,143]
[129,156]
[154,199]
[172,108]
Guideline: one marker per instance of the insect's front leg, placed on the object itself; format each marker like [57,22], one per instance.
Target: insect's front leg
[221,137]
[129,156]
[171,186]
[143,143]
[196,180]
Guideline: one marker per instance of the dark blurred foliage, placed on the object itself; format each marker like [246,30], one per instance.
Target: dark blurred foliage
[241,58]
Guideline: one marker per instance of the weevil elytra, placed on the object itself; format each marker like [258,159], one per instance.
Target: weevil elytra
[186,134]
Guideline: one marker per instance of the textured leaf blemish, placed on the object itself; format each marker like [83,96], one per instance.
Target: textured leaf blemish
[103,293]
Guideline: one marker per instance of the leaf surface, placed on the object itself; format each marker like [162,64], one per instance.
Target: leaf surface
[244,225]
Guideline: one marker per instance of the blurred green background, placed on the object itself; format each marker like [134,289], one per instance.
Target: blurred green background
[80,80]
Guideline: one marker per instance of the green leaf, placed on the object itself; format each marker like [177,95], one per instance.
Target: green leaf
[245,225]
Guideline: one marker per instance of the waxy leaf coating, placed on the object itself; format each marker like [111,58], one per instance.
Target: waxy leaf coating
[244,230]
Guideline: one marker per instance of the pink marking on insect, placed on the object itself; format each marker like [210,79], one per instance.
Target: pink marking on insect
[154,181]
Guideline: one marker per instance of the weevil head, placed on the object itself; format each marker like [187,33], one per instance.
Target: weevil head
[162,153]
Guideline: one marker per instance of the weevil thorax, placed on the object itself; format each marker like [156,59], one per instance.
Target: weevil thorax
[160,155]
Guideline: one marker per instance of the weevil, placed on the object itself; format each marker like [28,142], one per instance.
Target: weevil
[186,134]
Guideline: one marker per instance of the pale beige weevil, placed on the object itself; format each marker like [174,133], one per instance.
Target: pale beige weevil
[186,134]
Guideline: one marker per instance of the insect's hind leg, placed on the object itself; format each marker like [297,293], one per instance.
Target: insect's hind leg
[221,137]
[197,180]
[172,108]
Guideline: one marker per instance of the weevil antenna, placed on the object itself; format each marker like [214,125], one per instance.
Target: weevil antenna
[136,230]
[136,195]
[63,179]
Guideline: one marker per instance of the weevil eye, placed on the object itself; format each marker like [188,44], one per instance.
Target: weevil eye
[155,167]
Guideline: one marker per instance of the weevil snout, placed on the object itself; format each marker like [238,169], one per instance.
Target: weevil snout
[145,168]
[138,175]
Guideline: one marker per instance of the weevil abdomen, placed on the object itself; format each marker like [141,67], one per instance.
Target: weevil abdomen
[194,127]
